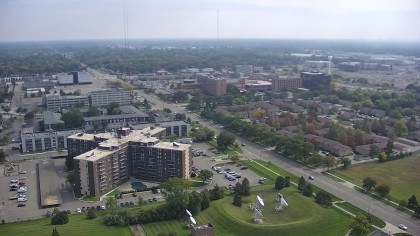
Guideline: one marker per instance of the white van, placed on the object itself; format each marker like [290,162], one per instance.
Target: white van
[21,199]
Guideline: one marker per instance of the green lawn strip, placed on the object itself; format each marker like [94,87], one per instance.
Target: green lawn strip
[78,225]
[341,175]
[354,210]
[332,177]
[178,226]
[401,175]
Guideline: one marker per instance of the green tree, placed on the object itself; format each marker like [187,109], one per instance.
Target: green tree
[301,184]
[91,213]
[111,204]
[389,146]
[246,189]
[93,111]
[345,161]
[29,116]
[383,190]
[280,183]
[59,217]
[176,192]
[237,200]
[287,181]
[237,190]
[217,193]
[374,151]
[382,157]
[205,200]
[360,225]
[205,175]
[329,162]
[369,183]
[3,156]
[323,198]
[224,140]
[73,118]
[113,105]
[417,211]
[307,191]
[140,201]
[70,178]
[401,129]
[412,202]
[194,203]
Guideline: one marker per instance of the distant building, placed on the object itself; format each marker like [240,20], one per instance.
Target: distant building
[315,80]
[104,97]
[34,142]
[117,156]
[52,120]
[285,83]
[37,84]
[74,77]
[177,128]
[213,86]
[259,85]
[130,116]
[65,79]
[244,70]
[57,102]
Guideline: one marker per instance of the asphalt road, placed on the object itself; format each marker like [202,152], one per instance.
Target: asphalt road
[252,150]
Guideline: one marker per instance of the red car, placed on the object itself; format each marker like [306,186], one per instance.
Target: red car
[22,183]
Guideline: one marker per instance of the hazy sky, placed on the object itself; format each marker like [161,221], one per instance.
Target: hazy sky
[27,20]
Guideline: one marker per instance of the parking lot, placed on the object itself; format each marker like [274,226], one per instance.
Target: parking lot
[210,159]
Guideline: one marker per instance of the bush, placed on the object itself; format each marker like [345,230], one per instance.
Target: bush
[91,213]
[59,217]
[307,191]
[237,200]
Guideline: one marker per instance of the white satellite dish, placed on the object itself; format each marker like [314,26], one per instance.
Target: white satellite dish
[260,200]
[193,220]
[188,212]
[283,202]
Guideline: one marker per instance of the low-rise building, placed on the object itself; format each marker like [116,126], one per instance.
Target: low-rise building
[177,128]
[56,102]
[34,142]
[52,120]
[104,97]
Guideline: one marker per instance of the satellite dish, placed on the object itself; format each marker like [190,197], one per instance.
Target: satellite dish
[189,213]
[193,220]
[283,202]
[260,200]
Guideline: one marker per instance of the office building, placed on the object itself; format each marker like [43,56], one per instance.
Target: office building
[65,79]
[56,102]
[34,142]
[285,84]
[315,80]
[137,153]
[129,116]
[213,86]
[82,77]
[104,97]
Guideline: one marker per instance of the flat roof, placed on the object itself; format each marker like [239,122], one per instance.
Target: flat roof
[49,187]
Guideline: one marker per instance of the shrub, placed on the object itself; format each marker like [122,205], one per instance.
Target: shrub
[59,217]
[91,213]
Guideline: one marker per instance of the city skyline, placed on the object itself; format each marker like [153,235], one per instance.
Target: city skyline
[267,19]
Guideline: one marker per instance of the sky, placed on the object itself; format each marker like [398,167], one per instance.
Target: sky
[34,20]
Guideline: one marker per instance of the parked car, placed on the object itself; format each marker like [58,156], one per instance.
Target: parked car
[13,198]
[22,199]
[98,208]
[22,178]
[21,205]
[243,144]
[122,204]
[127,204]
[14,186]
[150,200]
[244,167]
[13,181]
[103,207]
[134,194]
[154,199]
[68,212]
[131,203]
[311,177]
[78,210]
[83,209]
[403,227]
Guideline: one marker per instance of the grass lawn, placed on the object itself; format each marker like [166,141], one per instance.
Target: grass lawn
[78,225]
[353,209]
[401,175]
[302,217]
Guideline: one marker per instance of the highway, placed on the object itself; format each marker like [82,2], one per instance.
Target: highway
[339,189]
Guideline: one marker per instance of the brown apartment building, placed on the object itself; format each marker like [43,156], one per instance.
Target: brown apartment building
[214,86]
[137,153]
[283,83]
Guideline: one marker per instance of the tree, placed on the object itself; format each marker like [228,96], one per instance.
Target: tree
[417,211]
[55,232]
[217,193]
[237,200]
[224,140]
[6,109]
[345,161]
[360,225]
[246,189]
[180,116]
[140,201]
[287,182]
[329,162]
[374,151]
[194,203]
[111,204]
[91,213]
[301,184]
[382,157]
[59,217]
[307,191]
[3,156]
[73,118]
[400,128]
[77,92]
[369,183]
[412,202]
[280,183]
[205,175]
[176,192]
[205,200]
[110,108]
[70,178]
[323,198]
[29,116]
[389,147]
[93,111]
[382,190]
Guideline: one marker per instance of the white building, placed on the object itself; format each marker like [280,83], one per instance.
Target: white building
[56,102]
[65,79]
[104,97]
[84,77]
[32,142]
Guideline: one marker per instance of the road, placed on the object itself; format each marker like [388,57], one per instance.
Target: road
[345,192]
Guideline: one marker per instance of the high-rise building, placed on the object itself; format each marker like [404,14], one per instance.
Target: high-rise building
[113,157]
[285,83]
[214,86]
[104,97]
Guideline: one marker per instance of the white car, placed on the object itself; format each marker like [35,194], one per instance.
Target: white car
[22,172]
[403,227]
[78,210]
[103,207]
[13,181]
[22,178]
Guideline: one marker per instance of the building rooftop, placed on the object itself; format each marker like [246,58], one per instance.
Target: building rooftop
[51,118]
[128,112]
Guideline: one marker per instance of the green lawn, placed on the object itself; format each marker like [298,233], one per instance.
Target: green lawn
[302,217]
[78,225]
[353,209]
[401,175]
